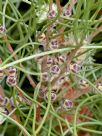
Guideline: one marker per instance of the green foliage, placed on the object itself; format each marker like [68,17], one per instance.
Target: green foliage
[25,22]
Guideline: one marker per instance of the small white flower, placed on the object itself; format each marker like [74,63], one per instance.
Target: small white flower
[67,104]
[55,69]
[53,96]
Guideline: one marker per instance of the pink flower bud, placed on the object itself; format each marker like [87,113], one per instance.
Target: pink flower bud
[11,71]
[62,59]
[50,61]
[67,12]
[54,44]
[5,101]
[75,68]
[51,14]
[67,104]
[11,81]
[53,96]
[55,69]
[2,29]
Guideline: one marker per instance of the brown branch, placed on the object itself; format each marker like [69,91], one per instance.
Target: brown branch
[2,91]
[9,46]
[50,5]
[61,37]
[58,5]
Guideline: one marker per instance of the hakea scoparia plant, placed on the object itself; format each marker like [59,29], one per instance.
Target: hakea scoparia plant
[62,75]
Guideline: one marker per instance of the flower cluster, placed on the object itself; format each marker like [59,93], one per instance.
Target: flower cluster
[54,67]
[8,104]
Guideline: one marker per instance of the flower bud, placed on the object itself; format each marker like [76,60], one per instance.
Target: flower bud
[55,69]
[83,84]
[51,14]
[53,96]
[11,81]
[54,44]
[75,68]
[99,86]
[2,29]
[67,104]
[11,72]
[49,61]
[62,59]
[67,12]
[5,101]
